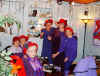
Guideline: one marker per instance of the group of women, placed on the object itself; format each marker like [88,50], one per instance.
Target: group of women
[24,57]
[59,45]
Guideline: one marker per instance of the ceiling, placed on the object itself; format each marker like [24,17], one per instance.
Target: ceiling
[80,1]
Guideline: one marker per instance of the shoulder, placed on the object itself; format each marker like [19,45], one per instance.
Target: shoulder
[74,40]
[43,30]
[11,48]
[75,37]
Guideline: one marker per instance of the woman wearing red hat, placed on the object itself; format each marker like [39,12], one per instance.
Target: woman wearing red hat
[69,47]
[46,35]
[17,63]
[56,40]
[32,63]
[23,41]
[15,49]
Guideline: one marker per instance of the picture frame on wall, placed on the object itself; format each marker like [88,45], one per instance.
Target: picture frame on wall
[96,33]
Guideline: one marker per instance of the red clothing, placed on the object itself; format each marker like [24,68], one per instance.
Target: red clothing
[17,62]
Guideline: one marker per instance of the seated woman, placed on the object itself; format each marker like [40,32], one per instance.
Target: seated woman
[15,49]
[32,63]
[69,47]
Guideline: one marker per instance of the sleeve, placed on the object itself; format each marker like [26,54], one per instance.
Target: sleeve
[42,31]
[62,45]
[72,50]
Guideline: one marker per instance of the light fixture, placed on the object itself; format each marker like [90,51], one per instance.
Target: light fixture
[73,3]
[85,21]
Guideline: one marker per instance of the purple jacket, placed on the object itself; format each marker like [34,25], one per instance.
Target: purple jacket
[69,47]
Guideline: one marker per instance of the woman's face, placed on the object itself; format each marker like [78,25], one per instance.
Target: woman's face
[61,25]
[68,33]
[48,25]
[16,43]
[32,51]
[22,41]
[57,25]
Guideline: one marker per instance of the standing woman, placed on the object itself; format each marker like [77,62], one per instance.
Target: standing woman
[47,43]
[69,47]
[56,40]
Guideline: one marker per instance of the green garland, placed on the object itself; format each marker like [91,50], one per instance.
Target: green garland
[4,19]
[5,66]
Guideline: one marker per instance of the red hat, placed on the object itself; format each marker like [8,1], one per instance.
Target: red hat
[98,22]
[16,38]
[48,21]
[23,37]
[30,44]
[63,21]
[70,29]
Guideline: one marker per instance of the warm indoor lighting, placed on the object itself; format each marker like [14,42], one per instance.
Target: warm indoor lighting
[73,3]
[86,20]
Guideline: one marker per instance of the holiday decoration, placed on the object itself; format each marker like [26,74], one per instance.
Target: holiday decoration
[96,34]
[5,66]
[7,22]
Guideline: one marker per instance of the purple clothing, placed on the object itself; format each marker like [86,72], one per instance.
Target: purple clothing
[35,63]
[47,44]
[29,67]
[69,47]
[56,40]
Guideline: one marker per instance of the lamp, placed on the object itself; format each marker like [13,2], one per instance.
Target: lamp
[85,21]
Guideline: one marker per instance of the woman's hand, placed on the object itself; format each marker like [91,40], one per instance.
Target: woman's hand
[25,56]
[66,59]
[54,55]
[49,38]
[41,35]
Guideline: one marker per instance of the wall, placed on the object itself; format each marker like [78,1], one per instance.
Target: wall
[73,14]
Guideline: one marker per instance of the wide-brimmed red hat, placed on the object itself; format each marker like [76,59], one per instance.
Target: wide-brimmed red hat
[30,44]
[23,37]
[62,21]
[48,21]
[70,29]
[16,38]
